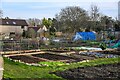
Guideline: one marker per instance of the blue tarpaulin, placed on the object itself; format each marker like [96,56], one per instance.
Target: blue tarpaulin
[84,36]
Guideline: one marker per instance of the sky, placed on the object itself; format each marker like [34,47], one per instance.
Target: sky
[25,9]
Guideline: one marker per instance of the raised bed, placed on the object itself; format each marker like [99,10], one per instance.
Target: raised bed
[27,59]
[69,57]
[58,51]
[55,57]
[20,51]
[82,57]
[66,58]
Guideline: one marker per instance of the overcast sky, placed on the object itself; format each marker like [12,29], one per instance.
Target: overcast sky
[48,8]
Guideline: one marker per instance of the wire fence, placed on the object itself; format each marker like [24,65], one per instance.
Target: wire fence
[13,45]
[28,44]
[31,44]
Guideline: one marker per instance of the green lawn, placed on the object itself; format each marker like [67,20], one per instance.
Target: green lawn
[20,70]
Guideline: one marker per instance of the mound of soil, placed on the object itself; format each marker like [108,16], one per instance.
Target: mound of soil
[26,59]
[104,72]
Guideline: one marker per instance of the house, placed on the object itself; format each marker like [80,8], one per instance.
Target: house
[38,31]
[10,27]
[33,31]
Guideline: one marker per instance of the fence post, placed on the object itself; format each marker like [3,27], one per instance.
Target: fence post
[1,67]
[1,59]
[1,45]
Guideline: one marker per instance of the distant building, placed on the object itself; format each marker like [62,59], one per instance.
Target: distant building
[12,27]
[119,10]
[39,30]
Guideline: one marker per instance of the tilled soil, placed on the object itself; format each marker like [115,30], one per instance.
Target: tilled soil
[68,59]
[55,57]
[35,58]
[83,57]
[101,72]
[26,59]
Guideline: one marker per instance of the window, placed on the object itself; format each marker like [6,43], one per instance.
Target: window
[22,27]
[7,22]
[14,22]
[12,33]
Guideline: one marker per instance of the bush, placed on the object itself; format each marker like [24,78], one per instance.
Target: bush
[112,37]
[103,46]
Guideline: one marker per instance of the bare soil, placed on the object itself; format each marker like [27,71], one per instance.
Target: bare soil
[100,72]
[55,57]
[27,59]
[68,58]
[35,58]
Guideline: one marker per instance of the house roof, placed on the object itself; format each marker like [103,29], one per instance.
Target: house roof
[35,28]
[38,28]
[13,22]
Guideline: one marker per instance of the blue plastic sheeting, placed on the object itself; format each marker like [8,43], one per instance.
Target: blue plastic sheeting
[84,36]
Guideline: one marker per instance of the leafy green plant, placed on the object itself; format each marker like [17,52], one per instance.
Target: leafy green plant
[103,46]
[53,63]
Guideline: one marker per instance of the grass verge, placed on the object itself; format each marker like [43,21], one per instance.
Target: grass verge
[17,70]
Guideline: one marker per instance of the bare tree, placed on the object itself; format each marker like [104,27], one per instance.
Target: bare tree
[31,33]
[1,13]
[34,22]
[72,18]
[94,17]
[94,13]
[106,22]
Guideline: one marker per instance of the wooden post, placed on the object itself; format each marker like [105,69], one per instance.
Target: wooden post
[1,67]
